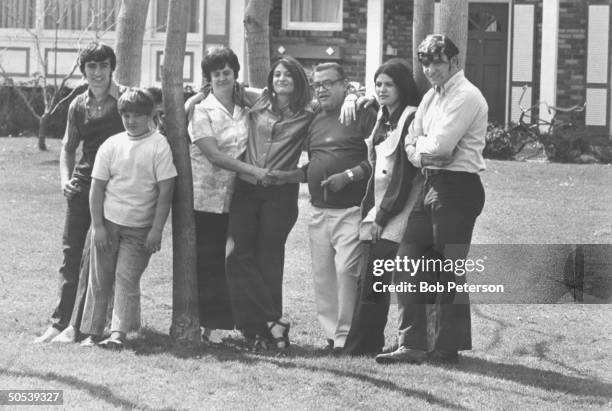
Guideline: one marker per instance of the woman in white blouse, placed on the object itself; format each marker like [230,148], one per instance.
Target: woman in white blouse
[219,132]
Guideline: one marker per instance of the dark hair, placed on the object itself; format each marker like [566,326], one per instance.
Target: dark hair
[135,100]
[301,95]
[97,52]
[400,73]
[155,93]
[330,66]
[435,45]
[217,58]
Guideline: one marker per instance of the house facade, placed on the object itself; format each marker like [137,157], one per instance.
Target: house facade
[560,49]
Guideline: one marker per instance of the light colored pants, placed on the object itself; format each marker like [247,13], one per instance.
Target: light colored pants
[335,249]
[123,265]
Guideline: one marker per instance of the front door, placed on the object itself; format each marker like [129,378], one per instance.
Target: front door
[487,50]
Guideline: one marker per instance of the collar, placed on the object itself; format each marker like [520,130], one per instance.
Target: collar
[393,118]
[211,102]
[450,83]
[114,90]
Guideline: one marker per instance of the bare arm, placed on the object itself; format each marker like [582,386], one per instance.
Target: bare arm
[162,210]
[70,143]
[209,147]
[96,207]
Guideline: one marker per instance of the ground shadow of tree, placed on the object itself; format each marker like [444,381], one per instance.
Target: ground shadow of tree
[98,391]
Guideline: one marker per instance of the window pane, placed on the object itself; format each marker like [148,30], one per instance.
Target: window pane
[94,15]
[319,11]
[17,13]
[215,17]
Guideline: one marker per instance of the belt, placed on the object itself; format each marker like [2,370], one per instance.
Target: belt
[428,172]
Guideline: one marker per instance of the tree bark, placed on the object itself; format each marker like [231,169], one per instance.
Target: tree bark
[256,24]
[42,132]
[422,25]
[185,326]
[454,24]
[130,31]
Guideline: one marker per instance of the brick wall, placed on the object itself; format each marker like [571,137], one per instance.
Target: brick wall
[352,39]
[571,67]
[398,29]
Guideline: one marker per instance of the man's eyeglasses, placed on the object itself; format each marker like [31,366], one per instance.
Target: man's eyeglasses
[327,84]
[429,58]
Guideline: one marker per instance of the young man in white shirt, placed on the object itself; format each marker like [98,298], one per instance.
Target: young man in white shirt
[451,121]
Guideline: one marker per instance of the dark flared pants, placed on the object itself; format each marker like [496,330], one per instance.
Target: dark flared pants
[367,333]
[214,302]
[76,225]
[439,226]
[260,221]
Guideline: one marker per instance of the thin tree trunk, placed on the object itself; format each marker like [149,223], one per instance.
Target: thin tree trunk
[185,326]
[42,131]
[256,18]
[130,31]
[422,25]
[454,24]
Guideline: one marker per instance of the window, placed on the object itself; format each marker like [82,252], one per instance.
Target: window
[91,15]
[162,15]
[312,15]
[483,21]
[17,13]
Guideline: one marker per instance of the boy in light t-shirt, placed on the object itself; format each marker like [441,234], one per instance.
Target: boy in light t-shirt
[130,199]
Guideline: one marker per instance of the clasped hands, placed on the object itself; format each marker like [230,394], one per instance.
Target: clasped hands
[278,177]
[267,178]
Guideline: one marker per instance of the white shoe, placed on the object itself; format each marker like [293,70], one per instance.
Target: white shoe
[48,335]
[212,335]
[65,337]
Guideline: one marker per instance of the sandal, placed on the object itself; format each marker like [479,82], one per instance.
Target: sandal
[112,343]
[281,342]
[260,343]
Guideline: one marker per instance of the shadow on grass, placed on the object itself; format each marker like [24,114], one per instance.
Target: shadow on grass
[501,327]
[538,378]
[152,342]
[98,391]
[377,382]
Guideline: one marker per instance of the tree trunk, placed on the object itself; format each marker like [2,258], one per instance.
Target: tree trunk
[422,25]
[130,31]
[42,131]
[185,326]
[454,24]
[256,18]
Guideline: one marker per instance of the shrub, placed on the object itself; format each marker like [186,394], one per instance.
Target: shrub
[504,143]
[16,119]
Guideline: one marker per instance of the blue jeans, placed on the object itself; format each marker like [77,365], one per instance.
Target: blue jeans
[260,221]
[123,265]
[76,225]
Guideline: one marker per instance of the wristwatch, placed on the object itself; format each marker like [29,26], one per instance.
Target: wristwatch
[350,174]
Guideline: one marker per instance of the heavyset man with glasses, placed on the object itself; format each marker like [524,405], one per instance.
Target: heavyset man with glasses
[337,175]
[450,120]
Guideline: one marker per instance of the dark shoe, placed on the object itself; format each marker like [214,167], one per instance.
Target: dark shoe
[280,339]
[329,346]
[443,357]
[402,355]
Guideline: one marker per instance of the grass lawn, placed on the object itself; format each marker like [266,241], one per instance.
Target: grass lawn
[524,356]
